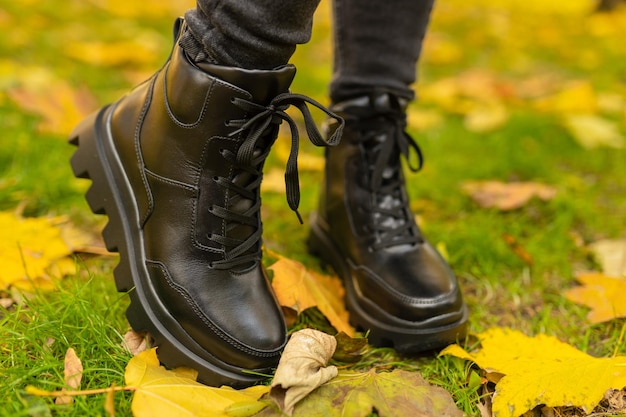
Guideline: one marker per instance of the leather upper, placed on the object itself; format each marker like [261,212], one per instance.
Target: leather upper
[400,275]
[174,140]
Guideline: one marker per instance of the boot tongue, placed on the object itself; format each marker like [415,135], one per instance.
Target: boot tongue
[263,85]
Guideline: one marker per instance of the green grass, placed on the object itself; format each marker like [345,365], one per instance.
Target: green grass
[87,314]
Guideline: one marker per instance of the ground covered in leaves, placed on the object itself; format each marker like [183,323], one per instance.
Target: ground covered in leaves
[522,119]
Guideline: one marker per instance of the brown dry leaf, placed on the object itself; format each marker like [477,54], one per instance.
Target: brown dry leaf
[6,302]
[506,196]
[175,393]
[29,248]
[604,295]
[135,342]
[611,254]
[541,370]
[73,372]
[390,394]
[518,249]
[302,368]
[298,288]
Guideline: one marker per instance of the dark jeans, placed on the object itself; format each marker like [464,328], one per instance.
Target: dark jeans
[376,43]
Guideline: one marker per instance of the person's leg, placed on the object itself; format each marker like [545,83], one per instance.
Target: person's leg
[251,34]
[377,46]
[397,286]
[176,166]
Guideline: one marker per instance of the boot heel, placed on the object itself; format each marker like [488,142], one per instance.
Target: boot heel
[89,162]
[86,162]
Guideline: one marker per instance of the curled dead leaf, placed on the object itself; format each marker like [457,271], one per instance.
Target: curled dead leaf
[135,342]
[73,373]
[302,367]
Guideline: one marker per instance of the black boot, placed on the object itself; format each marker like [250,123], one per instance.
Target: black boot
[397,286]
[176,165]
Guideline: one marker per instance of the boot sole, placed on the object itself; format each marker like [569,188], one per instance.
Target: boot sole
[111,194]
[404,336]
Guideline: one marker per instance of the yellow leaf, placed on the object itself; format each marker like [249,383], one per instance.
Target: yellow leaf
[135,9]
[306,161]
[144,48]
[176,393]
[60,105]
[506,196]
[602,294]
[28,248]
[440,50]
[592,131]
[421,119]
[541,370]
[273,181]
[298,288]
[486,117]
[576,97]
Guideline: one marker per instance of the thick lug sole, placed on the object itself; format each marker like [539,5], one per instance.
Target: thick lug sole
[111,194]
[404,336]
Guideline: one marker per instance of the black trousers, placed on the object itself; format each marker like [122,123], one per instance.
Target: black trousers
[377,44]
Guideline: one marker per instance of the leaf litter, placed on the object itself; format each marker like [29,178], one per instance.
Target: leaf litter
[540,371]
[302,368]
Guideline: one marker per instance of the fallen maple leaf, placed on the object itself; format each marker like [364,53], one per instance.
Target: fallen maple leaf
[541,370]
[302,367]
[506,196]
[174,393]
[395,393]
[29,247]
[73,372]
[298,288]
[604,295]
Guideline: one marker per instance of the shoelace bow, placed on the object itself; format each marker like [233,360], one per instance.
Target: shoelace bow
[262,121]
[392,225]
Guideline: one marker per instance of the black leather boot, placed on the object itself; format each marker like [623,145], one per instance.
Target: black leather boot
[398,287]
[176,165]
